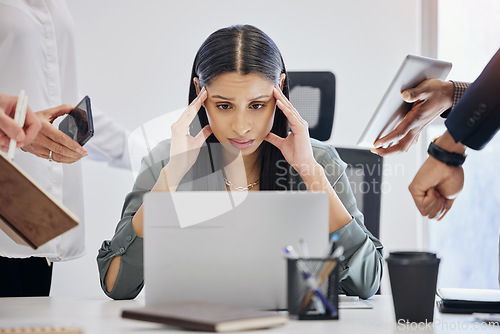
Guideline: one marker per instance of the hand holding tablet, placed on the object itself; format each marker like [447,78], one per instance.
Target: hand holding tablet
[430,99]
[389,119]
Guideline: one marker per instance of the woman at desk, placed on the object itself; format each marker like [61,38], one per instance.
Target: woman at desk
[239,92]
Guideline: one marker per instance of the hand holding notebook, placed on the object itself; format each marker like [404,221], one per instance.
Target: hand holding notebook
[28,214]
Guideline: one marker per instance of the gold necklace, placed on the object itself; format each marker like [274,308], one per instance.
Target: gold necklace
[248,187]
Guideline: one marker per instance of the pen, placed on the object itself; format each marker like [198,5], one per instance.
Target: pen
[310,281]
[331,245]
[325,272]
[303,269]
[303,248]
[19,118]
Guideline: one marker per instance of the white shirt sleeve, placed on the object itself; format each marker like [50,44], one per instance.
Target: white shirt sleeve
[110,141]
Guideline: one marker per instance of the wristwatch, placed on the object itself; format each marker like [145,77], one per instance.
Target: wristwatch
[450,158]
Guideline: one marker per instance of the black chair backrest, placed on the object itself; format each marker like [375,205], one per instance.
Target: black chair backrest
[364,172]
[313,95]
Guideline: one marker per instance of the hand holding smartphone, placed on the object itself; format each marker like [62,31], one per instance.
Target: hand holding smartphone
[78,124]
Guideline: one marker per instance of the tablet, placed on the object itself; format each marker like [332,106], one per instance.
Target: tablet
[392,108]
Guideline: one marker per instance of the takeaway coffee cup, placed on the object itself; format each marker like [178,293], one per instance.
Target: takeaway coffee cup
[413,277]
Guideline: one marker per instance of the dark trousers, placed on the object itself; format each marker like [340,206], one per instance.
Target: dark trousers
[25,277]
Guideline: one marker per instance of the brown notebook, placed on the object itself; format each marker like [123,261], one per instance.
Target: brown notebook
[28,214]
[207,316]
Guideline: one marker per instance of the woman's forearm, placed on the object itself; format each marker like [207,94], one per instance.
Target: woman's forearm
[168,181]
[316,180]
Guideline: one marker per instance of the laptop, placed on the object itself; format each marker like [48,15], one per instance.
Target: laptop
[227,247]
[392,108]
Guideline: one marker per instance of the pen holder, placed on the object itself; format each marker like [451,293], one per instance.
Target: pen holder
[301,303]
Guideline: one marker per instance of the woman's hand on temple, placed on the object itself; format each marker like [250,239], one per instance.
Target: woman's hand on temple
[184,148]
[296,147]
[297,150]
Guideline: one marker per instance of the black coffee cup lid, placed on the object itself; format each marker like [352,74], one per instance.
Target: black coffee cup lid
[412,257]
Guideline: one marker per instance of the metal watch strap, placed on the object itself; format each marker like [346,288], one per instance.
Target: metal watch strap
[449,158]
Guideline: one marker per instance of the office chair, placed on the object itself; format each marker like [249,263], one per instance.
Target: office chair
[313,95]
[364,171]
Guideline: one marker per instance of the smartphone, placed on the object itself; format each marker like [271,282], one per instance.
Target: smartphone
[78,124]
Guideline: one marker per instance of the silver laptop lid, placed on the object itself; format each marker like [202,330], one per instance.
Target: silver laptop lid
[230,246]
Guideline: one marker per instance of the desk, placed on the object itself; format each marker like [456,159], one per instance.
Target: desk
[103,316]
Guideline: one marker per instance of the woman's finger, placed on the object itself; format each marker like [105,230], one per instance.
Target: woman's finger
[56,157]
[203,135]
[280,97]
[35,150]
[51,114]
[192,110]
[288,109]
[32,126]
[4,140]
[283,98]
[63,143]
[274,139]
[11,128]
[57,148]
[292,118]
[44,153]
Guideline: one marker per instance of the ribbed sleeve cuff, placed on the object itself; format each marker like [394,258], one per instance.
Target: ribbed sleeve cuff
[460,88]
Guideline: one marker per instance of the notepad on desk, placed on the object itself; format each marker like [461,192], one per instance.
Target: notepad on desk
[28,214]
[353,302]
[207,316]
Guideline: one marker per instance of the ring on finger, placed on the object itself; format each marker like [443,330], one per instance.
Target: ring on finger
[50,156]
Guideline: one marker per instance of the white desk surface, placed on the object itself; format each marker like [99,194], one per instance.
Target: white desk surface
[104,316]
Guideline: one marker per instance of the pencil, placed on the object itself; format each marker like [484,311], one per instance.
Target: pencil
[330,264]
[325,272]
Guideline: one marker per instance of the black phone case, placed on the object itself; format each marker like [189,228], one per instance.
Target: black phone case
[467,307]
[74,127]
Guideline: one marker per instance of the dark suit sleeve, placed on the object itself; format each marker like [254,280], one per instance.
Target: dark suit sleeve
[476,118]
